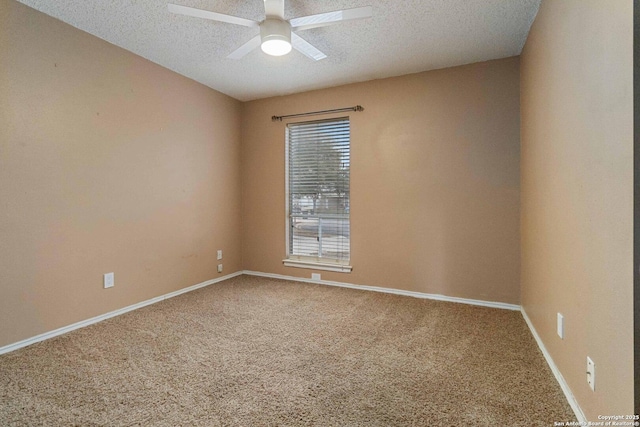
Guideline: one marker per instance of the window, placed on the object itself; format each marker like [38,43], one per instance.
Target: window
[318,163]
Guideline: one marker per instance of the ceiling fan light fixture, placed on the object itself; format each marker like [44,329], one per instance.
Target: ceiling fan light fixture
[275,47]
[275,35]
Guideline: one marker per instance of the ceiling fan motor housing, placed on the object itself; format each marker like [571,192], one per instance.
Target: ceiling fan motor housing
[275,35]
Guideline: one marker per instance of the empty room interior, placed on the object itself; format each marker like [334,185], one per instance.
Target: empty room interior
[421,215]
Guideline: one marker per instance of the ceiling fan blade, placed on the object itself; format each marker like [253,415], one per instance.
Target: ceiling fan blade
[245,48]
[306,48]
[274,8]
[205,14]
[330,18]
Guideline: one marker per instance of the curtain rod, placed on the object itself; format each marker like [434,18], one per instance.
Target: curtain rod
[313,113]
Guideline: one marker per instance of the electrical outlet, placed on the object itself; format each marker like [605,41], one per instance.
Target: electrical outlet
[109,280]
[560,326]
[219,268]
[315,276]
[591,373]
[219,254]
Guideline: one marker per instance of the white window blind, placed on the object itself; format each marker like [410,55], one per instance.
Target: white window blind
[318,191]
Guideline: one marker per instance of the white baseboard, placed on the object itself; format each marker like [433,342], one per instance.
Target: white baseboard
[438,297]
[91,321]
[556,372]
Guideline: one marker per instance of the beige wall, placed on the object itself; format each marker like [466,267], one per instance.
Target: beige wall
[577,193]
[435,197]
[107,163]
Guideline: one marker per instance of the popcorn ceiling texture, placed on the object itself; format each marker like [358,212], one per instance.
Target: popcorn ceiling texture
[403,37]
[253,351]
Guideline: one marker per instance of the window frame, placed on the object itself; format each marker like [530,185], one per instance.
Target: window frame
[302,261]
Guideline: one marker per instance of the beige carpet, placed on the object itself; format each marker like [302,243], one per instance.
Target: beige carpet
[259,352]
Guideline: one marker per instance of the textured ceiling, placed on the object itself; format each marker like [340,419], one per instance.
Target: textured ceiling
[402,37]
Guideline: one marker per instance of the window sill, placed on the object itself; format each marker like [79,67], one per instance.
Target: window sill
[340,268]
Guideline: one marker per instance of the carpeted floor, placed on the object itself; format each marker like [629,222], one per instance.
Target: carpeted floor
[260,352]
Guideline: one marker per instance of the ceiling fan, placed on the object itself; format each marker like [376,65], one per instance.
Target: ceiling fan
[277,35]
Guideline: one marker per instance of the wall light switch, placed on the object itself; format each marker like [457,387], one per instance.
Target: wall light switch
[219,253]
[591,373]
[109,280]
[560,326]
